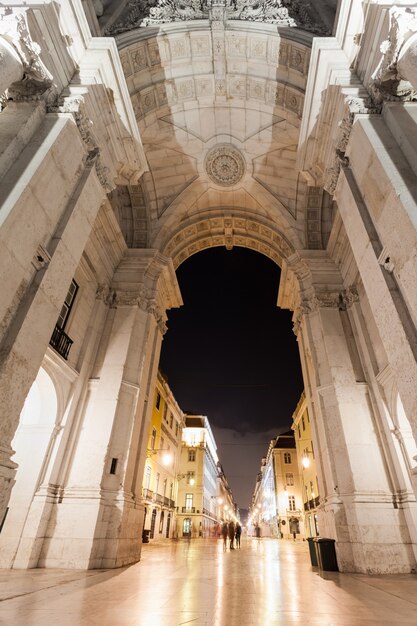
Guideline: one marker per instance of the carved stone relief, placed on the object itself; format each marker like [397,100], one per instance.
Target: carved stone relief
[225,165]
[227,231]
[140,13]
[75,105]
[353,105]
[36,79]
[393,79]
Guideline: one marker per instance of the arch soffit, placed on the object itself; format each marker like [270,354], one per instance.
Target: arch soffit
[175,66]
[237,228]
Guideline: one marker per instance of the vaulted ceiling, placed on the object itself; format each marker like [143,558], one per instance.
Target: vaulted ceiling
[219,108]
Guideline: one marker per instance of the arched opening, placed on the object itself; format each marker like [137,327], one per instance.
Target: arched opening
[230,354]
[31,443]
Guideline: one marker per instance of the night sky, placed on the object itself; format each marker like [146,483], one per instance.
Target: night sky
[230,354]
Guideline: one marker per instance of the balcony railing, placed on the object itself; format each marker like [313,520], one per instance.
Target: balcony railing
[61,342]
[188,509]
[159,499]
[312,504]
[148,495]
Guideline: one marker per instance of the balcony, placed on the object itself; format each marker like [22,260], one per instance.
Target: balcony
[61,342]
[148,495]
[159,499]
[188,509]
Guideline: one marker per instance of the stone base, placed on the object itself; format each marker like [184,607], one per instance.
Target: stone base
[86,534]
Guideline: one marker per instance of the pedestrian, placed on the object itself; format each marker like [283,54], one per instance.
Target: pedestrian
[232,534]
[238,532]
[225,534]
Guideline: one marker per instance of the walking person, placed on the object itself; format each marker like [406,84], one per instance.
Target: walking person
[238,532]
[225,534]
[232,534]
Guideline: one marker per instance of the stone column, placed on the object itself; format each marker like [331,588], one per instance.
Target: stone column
[98,521]
[32,315]
[356,504]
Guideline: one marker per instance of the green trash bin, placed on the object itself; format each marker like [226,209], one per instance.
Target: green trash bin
[326,554]
[313,551]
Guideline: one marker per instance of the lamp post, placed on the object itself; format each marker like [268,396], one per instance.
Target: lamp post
[305,461]
[167,456]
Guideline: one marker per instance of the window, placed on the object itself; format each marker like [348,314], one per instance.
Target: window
[165,486]
[158,476]
[67,306]
[303,422]
[158,400]
[287,458]
[289,479]
[162,443]
[176,429]
[312,489]
[153,438]
[171,491]
[165,412]
[299,432]
[190,478]
[291,503]
[171,420]
[191,454]
[161,523]
[188,501]
[148,477]
[306,496]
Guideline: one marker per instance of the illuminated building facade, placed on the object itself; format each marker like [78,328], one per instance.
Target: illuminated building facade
[204,497]
[276,509]
[307,467]
[160,483]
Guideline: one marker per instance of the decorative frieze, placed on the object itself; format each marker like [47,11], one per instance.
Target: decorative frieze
[142,298]
[341,300]
[140,13]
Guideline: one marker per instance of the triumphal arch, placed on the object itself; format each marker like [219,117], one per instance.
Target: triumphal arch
[135,133]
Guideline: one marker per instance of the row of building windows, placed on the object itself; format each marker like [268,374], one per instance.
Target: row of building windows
[168,417]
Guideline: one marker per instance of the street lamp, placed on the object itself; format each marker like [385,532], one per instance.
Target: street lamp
[305,461]
[191,480]
[167,456]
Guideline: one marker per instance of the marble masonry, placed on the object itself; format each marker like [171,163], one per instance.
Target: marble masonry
[134,134]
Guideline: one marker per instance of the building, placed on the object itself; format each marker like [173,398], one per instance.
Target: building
[160,483]
[134,136]
[307,467]
[276,509]
[204,497]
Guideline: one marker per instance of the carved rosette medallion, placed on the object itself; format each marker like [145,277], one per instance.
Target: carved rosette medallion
[225,165]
